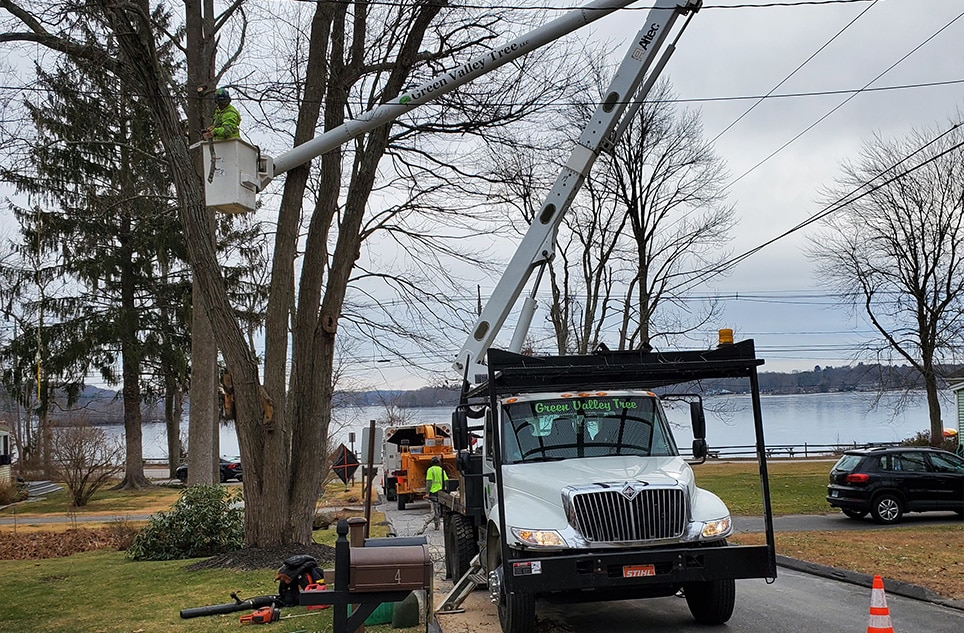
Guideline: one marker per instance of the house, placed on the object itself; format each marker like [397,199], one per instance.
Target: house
[955,382]
[5,476]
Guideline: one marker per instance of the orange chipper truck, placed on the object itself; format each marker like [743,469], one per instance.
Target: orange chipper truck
[407,453]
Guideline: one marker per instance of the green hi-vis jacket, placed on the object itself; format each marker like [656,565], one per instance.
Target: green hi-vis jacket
[227,123]
[435,477]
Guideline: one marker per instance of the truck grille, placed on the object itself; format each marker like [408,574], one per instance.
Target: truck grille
[648,514]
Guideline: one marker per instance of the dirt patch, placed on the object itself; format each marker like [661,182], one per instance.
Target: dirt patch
[267,558]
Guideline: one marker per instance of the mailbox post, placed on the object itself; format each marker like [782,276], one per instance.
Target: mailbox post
[368,576]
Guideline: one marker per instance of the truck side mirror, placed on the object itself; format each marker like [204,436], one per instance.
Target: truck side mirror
[700,449]
[460,430]
[698,420]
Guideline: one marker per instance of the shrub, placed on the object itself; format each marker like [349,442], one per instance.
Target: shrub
[204,521]
[122,533]
[10,492]
[923,438]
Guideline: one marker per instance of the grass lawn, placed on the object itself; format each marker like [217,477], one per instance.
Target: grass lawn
[103,592]
[796,487]
[930,556]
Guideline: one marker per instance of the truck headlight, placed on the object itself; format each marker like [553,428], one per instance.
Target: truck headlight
[539,538]
[717,528]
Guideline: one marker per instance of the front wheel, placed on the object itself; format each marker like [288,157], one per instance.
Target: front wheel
[402,500]
[711,602]
[517,611]
[887,509]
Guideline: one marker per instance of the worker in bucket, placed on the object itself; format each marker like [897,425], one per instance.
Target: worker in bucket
[435,479]
[227,119]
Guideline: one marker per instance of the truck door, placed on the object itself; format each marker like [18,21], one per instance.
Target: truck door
[490,492]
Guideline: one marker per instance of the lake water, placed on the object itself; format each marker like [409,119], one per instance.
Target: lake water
[812,419]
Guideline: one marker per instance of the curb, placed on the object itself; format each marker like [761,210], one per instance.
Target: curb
[896,587]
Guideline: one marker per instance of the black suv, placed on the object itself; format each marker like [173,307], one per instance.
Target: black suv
[887,482]
[230,469]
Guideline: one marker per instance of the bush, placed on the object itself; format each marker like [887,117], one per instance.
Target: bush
[204,521]
[923,438]
[11,492]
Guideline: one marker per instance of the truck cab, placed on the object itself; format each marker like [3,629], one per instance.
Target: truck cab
[580,492]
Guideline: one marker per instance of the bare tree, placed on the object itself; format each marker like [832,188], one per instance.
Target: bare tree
[669,183]
[355,55]
[87,459]
[650,221]
[893,249]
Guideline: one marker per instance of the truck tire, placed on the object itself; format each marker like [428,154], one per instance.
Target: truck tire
[517,611]
[711,602]
[402,500]
[390,490]
[460,545]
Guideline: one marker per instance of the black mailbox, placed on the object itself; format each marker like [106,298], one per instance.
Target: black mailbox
[390,568]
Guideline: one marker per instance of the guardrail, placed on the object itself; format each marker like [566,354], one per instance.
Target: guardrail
[791,450]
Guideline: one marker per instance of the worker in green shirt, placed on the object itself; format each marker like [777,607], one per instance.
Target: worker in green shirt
[227,119]
[435,479]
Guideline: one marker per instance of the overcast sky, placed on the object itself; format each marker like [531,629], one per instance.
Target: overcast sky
[738,52]
[730,52]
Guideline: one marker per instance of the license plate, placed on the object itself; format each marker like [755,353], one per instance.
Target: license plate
[638,571]
[835,493]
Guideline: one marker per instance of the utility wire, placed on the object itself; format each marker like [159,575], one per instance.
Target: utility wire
[574,7]
[842,103]
[842,202]
[768,96]
[793,72]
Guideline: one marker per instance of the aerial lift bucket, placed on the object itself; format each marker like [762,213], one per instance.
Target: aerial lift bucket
[230,172]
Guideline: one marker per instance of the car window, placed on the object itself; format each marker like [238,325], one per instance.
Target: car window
[910,462]
[847,463]
[947,463]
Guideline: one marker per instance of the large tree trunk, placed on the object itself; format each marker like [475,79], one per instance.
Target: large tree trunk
[933,405]
[173,410]
[202,462]
[130,360]
[203,430]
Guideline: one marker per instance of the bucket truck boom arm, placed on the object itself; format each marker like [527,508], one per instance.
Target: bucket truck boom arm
[452,79]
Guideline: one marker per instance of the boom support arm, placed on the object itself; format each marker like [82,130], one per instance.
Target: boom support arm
[621,101]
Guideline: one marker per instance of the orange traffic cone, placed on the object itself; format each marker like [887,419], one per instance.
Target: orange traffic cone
[879,613]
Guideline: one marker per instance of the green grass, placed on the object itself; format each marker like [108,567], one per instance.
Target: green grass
[797,487]
[102,592]
[105,500]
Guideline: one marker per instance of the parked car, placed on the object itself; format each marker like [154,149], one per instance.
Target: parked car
[886,482]
[230,469]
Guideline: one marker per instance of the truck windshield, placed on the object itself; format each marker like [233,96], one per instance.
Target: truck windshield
[564,428]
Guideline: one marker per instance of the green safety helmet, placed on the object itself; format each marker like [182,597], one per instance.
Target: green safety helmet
[221,95]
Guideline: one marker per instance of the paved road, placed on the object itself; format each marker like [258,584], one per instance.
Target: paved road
[803,598]
[836,521]
[795,602]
